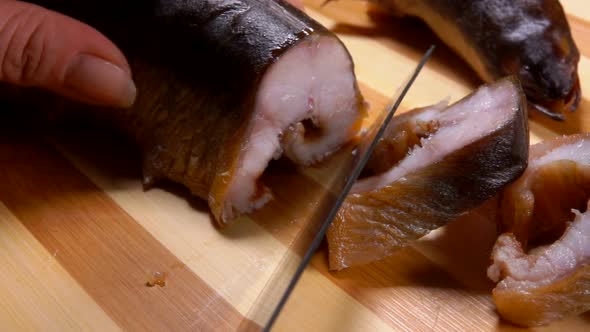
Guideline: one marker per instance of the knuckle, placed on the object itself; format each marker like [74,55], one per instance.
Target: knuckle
[24,47]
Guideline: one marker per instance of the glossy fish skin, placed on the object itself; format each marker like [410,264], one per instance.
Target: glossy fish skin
[377,220]
[542,260]
[199,67]
[529,39]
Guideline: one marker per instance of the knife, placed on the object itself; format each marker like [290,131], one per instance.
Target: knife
[325,214]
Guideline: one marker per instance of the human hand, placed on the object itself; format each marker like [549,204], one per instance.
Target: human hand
[42,48]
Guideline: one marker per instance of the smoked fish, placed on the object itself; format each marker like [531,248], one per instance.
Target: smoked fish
[224,87]
[454,159]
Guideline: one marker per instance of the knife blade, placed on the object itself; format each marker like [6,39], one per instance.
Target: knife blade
[349,175]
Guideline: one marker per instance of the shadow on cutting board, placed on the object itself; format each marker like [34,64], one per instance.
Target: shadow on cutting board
[105,152]
[445,259]
[113,155]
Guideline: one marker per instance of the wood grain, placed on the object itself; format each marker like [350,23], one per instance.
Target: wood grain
[236,263]
[37,293]
[103,249]
[80,237]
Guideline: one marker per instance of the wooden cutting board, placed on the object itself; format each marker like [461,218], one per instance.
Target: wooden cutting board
[83,247]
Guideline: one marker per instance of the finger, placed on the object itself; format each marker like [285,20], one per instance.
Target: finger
[45,49]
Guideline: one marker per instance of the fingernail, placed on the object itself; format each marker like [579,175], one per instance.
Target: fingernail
[100,81]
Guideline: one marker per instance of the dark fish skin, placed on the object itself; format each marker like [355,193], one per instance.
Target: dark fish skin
[373,224]
[530,39]
[197,66]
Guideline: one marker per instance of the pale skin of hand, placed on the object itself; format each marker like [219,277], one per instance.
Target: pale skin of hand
[48,50]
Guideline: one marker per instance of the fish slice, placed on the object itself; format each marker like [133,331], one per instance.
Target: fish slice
[276,292]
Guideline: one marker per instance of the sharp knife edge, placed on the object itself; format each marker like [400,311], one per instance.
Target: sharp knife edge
[348,186]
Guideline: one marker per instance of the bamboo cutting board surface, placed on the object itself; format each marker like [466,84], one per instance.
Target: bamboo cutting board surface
[79,238]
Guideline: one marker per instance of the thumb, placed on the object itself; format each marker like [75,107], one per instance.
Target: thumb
[45,49]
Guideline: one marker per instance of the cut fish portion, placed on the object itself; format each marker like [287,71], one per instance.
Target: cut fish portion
[530,39]
[293,93]
[404,132]
[224,87]
[463,155]
[538,205]
[542,261]
[305,114]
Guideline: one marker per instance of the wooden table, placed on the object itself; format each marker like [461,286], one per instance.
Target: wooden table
[79,238]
